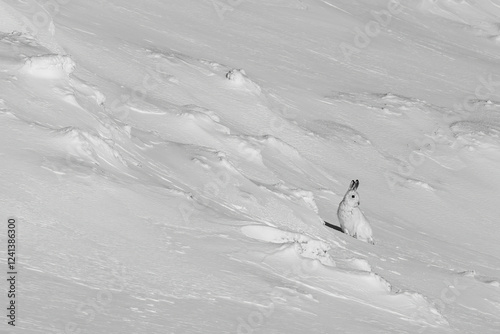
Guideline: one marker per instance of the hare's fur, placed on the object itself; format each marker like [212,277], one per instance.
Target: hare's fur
[352,221]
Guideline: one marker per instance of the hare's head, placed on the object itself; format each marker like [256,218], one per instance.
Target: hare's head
[352,197]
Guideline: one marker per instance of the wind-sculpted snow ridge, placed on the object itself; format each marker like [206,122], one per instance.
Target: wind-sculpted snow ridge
[262,159]
[438,133]
[370,110]
[49,77]
[217,181]
[49,66]
[83,145]
[298,194]
[280,145]
[386,103]
[286,161]
[177,59]
[184,124]
[204,118]
[340,132]
[239,79]
[194,125]
[303,245]
[19,42]
[84,91]
[310,261]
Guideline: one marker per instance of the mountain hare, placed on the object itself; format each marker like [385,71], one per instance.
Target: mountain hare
[352,220]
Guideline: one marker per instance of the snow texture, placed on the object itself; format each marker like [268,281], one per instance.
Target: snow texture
[171,165]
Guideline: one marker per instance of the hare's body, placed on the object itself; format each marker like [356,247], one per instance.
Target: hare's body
[352,221]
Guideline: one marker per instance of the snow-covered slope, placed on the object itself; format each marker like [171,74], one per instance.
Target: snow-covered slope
[171,165]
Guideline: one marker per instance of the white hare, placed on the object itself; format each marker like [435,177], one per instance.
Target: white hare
[352,221]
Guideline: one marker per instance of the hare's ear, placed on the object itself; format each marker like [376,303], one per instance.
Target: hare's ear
[351,186]
[356,185]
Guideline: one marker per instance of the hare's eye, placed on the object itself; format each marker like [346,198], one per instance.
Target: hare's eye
[353,196]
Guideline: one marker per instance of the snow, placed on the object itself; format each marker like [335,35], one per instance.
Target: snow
[171,165]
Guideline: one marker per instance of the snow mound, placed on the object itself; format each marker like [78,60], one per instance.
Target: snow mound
[280,146]
[49,66]
[346,283]
[202,120]
[88,90]
[359,264]
[419,184]
[425,312]
[305,196]
[253,147]
[249,149]
[197,109]
[84,145]
[239,79]
[303,245]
